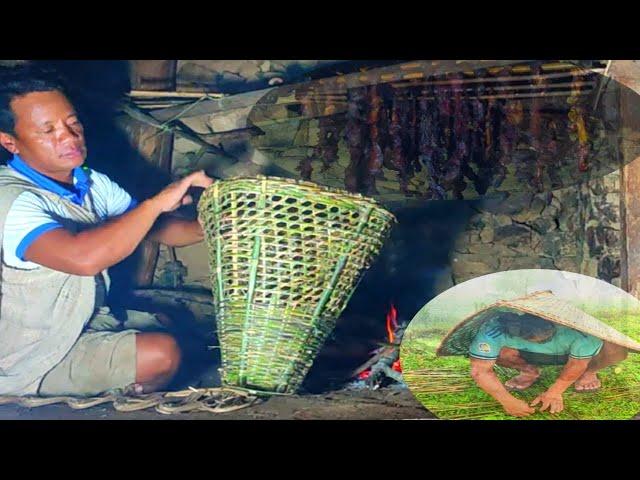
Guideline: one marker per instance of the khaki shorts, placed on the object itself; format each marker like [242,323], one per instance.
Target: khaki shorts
[102,359]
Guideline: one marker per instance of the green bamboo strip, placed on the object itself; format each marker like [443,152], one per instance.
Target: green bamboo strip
[218,240]
[255,257]
[247,316]
[301,226]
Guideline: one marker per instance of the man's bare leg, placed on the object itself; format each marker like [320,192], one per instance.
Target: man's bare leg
[157,360]
[510,357]
[610,354]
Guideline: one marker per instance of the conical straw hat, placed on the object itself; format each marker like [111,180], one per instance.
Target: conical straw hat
[541,304]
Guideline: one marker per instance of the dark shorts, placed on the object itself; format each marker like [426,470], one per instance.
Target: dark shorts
[543,358]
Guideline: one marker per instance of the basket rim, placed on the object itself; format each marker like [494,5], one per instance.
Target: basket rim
[357,198]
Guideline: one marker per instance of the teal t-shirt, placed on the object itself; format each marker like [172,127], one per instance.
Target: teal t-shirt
[565,341]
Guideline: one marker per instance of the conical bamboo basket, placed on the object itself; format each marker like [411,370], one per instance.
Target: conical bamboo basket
[285,257]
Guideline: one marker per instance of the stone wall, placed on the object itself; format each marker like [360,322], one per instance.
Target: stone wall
[575,229]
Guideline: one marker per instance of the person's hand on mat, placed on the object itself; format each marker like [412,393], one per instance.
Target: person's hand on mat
[517,407]
[550,400]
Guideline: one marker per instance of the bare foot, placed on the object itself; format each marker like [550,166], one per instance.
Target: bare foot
[523,381]
[588,382]
[134,389]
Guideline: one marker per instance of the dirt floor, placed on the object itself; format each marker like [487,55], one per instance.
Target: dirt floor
[382,404]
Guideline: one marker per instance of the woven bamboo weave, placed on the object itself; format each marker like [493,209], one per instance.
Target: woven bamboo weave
[285,258]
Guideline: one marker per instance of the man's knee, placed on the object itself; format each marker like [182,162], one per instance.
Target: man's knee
[169,354]
[618,353]
[507,353]
[158,355]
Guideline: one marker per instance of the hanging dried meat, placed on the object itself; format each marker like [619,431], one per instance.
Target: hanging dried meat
[578,127]
[305,168]
[355,136]
[307,110]
[373,152]
[330,127]
[535,129]
[399,139]
[458,142]
[388,95]
[551,148]
[412,134]
[496,134]
[430,146]
[476,125]
[453,131]
[509,115]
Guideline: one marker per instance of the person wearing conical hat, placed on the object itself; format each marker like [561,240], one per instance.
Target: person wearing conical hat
[524,342]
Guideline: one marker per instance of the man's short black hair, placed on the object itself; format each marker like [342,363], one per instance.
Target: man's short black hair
[525,326]
[22,80]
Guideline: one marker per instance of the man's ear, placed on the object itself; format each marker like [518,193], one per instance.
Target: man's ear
[8,142]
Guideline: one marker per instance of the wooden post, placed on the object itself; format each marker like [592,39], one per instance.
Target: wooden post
[627,73]
[157,148]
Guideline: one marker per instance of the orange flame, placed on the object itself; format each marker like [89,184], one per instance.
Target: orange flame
[396,366]
[392,323]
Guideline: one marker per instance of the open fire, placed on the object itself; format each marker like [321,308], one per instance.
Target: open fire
[384,364]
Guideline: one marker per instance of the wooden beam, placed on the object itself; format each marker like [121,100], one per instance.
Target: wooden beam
[171,94]
[181,129]
[627,73]
[208,107]
[158,75]
[394,73]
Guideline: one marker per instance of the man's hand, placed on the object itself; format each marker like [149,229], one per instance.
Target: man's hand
[175,195]
[517,407]
[550,400]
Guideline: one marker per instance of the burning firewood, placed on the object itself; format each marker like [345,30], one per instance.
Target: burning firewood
[385,363]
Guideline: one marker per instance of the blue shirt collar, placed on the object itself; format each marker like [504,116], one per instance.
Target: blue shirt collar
[81,180]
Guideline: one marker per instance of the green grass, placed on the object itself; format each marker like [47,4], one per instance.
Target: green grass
[618,399]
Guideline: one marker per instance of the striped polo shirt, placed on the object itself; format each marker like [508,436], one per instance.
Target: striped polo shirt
[491,338]
[31,215]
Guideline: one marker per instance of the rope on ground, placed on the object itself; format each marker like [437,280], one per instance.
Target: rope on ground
[213,400]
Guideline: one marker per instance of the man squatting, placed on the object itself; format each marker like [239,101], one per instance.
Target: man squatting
[62,226]
[524,342]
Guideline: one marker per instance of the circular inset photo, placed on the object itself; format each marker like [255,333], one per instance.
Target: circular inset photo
[526,344]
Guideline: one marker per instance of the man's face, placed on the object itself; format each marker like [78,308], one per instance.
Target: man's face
[48,135]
